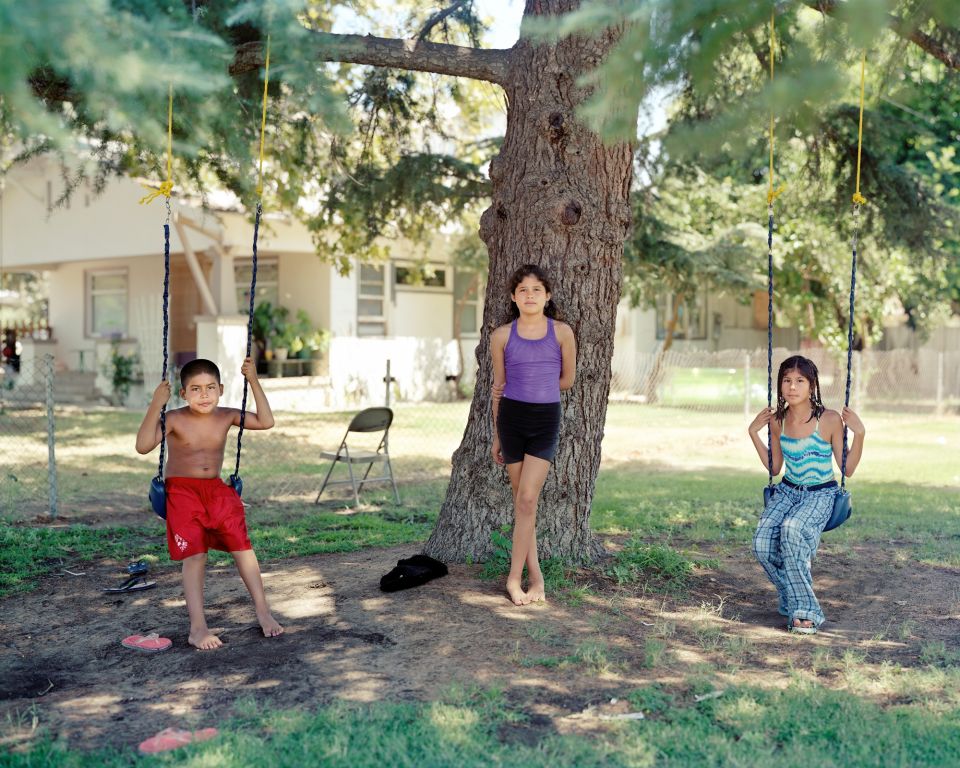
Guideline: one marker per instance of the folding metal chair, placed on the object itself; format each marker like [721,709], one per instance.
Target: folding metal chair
[368,420]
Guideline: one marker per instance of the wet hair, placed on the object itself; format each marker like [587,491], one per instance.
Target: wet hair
[532,270]
[197,368]
[808,370]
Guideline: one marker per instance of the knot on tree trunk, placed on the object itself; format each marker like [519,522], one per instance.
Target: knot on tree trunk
[571,213]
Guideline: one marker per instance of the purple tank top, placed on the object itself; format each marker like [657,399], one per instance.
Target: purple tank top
[532,367]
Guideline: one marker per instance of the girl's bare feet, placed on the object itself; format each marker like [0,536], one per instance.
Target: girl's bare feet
[269,625]
[536,592]
[204,640]
[803,627]
[517,595]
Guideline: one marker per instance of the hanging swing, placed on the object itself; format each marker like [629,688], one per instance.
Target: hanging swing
[157,493]
[842,507]
[235,480]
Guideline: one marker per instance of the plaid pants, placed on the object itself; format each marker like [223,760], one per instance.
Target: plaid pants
[786,541]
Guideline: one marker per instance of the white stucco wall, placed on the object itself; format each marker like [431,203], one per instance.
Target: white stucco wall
[110,225]
[304,283]
[68,300]
[422,313]
[343,304]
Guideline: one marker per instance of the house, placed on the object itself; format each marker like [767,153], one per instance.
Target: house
[103,256]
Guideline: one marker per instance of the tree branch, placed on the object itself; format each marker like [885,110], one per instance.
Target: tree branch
[904,29]
[489,64]
[439,16]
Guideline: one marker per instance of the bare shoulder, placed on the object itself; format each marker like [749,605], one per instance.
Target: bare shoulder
[229,415]
[831,421]
[564,332]
[174,417]
[500,335]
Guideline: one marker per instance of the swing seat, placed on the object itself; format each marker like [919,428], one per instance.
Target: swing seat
[841,510]
[158,497]
[842,507]
[237,482]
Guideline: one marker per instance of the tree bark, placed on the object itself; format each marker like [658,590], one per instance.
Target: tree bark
[491,64]
[560,200]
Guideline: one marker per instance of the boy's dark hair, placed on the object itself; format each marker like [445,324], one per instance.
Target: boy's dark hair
[196,368]
[808,369]
[527,270]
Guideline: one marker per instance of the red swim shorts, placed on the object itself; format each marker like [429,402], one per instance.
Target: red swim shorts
[204,513]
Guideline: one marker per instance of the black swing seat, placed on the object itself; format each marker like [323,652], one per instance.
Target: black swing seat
[158,497]
[842,506]
[237,482]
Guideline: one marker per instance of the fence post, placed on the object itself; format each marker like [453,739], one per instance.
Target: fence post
[939,383]
[746,386]
[51,457]
[387,380]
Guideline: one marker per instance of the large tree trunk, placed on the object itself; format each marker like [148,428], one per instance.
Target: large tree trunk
[560,200]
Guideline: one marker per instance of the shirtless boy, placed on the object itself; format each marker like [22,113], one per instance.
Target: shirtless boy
[203,512]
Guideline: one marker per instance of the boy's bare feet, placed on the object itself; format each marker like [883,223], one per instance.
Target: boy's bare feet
[269,625]
[536,592]
[204,640]
[517,595]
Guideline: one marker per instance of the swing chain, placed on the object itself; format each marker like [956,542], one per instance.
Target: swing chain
[854,245]
[770,226]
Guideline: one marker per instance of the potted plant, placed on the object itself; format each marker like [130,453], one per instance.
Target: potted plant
[316,343]
[281,340]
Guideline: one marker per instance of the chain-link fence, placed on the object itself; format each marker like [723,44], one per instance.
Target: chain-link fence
[28,467]
[736,380]
[97,468]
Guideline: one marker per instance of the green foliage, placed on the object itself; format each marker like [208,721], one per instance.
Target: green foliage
[701,216]
[89,82]
[123,372]
[473,728]
[639,562]
[27,553]
[498,563]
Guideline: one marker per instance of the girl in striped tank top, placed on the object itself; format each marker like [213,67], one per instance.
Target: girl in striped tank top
[534,358]
[806,437]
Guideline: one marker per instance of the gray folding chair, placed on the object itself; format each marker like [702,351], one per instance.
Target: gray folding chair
[368,420]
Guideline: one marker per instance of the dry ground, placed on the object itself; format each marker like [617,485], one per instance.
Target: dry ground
[63,670]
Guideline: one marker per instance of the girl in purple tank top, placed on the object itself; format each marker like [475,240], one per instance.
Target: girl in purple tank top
[534,358]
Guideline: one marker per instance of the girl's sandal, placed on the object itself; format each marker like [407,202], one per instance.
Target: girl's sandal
[799,629]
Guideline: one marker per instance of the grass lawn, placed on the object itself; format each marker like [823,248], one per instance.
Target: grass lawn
[670,478]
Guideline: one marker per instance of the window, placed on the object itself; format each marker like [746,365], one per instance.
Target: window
[420,276]
[268,282]
[371,317]
[691,316]
[468,300]
[107,303]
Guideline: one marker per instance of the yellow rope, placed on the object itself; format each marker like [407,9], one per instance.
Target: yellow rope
[263,117]
[166,187]
[859,199]
[772,194]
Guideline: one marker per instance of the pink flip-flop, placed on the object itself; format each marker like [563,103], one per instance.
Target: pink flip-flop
[173,738]
[151,643]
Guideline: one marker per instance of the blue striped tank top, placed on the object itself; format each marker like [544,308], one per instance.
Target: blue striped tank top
[809,459]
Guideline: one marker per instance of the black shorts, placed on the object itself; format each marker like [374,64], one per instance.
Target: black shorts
[531,429]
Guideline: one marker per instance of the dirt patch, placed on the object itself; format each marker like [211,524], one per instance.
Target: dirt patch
[64,671]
